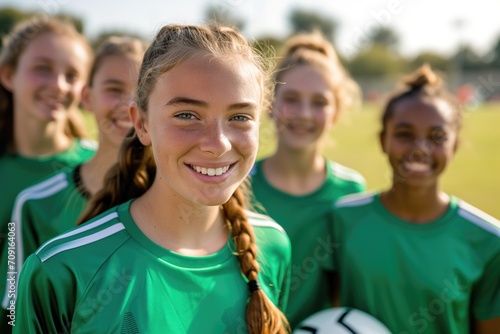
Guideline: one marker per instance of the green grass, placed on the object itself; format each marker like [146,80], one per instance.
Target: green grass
[474,175]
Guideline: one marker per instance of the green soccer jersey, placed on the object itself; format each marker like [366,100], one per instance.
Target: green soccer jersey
[40,213]
[303,218]
[106,276]
[418,278]
[18,172]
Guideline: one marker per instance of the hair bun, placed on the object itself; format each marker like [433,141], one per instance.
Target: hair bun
[422,77]
[314,41]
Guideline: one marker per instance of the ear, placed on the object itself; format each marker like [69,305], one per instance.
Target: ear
[140,124]
[6,74]
[456,145]
[87,99]
[381,138]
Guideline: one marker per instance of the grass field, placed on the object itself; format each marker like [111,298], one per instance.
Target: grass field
[474,175]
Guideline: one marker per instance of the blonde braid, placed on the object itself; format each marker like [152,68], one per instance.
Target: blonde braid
[262,316]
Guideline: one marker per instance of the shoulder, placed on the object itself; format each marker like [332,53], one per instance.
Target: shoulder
[266,229]
[346,174]
[355,200]
[478,218]
[96,239]
[87,144]
[51,185]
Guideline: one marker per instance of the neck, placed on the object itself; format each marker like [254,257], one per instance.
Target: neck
[94,171]
[178,224]
[295,172]
[416,205]
[33,138]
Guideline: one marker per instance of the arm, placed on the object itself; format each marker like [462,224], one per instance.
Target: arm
[41,305]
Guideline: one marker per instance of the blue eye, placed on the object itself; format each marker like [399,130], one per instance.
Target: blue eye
[185,115]
[240,118]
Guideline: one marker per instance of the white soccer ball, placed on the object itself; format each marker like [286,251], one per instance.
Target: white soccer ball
[341,320]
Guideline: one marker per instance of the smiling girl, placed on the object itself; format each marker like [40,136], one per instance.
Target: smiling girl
[52,206]
[168,246]
[43,67]
[418,259]
[297,184]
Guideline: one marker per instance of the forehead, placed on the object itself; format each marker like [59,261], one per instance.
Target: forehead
[60,48]
[213,79]
[304,78]
[418,111]
[120,67]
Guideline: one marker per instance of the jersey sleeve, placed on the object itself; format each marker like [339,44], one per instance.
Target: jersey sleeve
[286,281]
[486,292]
[41,304]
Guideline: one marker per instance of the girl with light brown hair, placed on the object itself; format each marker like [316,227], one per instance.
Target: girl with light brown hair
[167,245]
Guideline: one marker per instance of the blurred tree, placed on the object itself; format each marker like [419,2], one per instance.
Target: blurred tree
[77,22]
[386,37]
[495,54]
[8,19]
[435,60]
[377,60]
[305,21]
[466,58]
[223,15]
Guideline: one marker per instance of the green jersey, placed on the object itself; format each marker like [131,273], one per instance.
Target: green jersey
[106,276]
[18,172]
[40,213]
[429,278]
[304,220]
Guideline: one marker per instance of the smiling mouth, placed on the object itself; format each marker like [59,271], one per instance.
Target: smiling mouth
[211,171]
[418,167]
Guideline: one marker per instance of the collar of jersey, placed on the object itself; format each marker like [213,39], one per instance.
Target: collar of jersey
[214,260]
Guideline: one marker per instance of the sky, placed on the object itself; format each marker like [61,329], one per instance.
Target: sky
[422,25]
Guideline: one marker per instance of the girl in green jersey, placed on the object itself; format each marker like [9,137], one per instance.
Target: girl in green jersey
[52,206]
[312,90]
[167,246]
[43,66]
[418,259]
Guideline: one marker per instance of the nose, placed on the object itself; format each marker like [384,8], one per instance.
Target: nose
[61,83]
[215,141]
[423,146]
[305,110]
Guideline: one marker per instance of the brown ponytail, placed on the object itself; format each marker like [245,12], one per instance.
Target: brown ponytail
[262,315]
[130,177]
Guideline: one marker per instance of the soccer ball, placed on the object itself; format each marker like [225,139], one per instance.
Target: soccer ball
[341,320]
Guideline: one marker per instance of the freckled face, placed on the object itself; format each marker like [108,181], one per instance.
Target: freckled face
[202,123]
[304,108]
[420,140]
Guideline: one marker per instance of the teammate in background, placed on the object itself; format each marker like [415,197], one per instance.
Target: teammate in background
[297,184]
[53,206]
[418,259]
[169,247]
[43,67]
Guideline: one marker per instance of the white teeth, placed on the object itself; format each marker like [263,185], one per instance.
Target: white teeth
[211,171]
[417,166]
